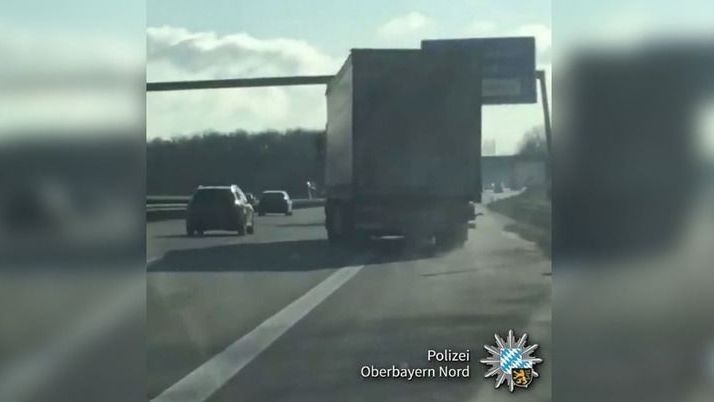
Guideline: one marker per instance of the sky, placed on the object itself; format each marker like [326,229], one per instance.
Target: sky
[229,39]
[240,38]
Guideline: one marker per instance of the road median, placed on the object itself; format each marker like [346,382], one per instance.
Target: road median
[160,208]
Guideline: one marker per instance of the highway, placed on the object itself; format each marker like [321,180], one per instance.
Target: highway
[279,316]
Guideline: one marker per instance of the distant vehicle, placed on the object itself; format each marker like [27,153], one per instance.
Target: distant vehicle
[219,208]
[403,146]
[275,202]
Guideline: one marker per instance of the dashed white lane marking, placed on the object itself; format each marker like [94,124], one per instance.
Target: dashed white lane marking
[205,380]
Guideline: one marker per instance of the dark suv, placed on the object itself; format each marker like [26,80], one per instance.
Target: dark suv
[219,208]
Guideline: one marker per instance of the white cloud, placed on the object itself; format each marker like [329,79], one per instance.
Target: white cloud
[176,51]
[178,54]
[406,24]
[541,33]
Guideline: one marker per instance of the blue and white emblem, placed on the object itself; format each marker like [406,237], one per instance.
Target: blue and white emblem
[511,361]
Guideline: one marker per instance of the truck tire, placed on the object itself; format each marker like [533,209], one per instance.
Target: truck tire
[333,222]
[452,238]
[338,223]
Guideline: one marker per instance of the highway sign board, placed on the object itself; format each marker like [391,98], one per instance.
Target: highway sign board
[507,66]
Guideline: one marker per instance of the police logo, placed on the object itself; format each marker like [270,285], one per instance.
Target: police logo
[522,377]
[511,361]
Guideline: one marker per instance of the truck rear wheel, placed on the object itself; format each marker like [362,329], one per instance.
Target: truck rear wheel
[338,223]
[452,238]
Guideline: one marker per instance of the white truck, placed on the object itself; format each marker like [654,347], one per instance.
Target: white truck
[403,145]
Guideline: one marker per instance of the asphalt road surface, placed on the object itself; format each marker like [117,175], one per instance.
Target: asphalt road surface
[279,316]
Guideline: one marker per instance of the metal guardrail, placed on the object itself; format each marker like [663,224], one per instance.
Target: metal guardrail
[167,199]
[158,209]
[151,207]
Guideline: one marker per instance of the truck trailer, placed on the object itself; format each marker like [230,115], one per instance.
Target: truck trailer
[403,145]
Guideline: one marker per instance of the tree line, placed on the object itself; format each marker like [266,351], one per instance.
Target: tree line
[268,160]
[534,144]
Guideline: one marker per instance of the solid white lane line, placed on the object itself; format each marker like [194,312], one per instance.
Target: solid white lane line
[204,381]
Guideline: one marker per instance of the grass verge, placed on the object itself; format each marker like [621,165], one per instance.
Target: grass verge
[531,212]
